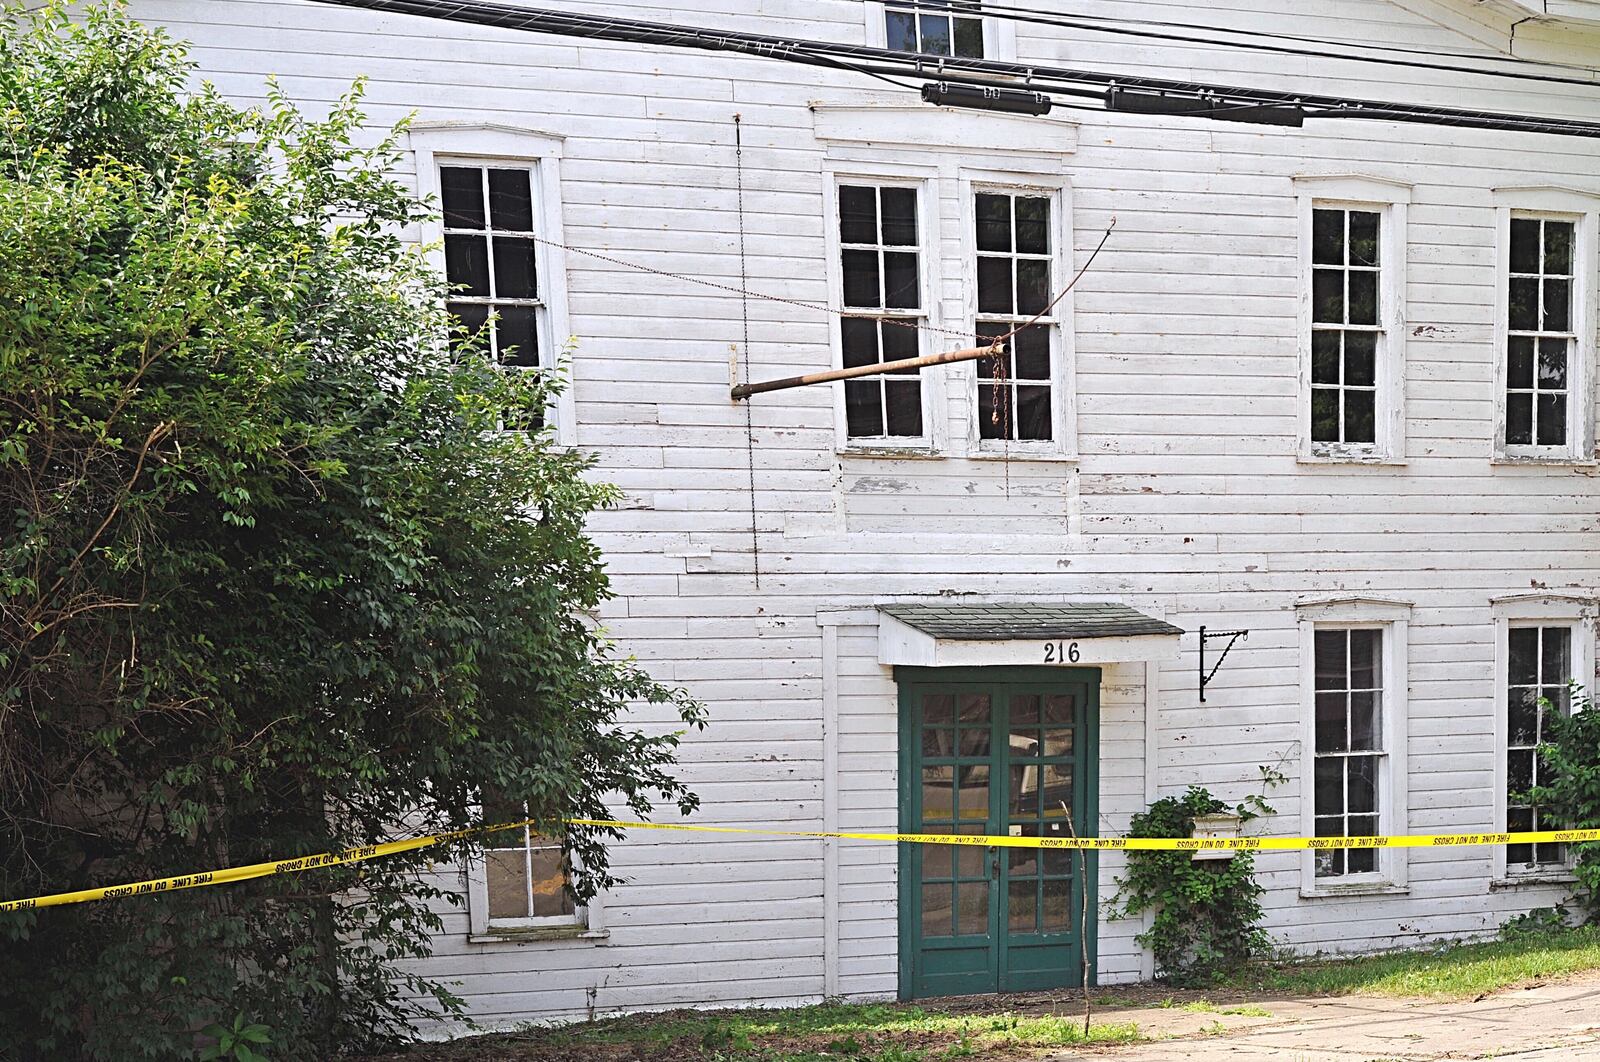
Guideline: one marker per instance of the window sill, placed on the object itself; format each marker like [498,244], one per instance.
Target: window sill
[1548,877]
[1365,888]
[1022,453]
[1552,461]
[910,451]
[1312,457]
[537,934]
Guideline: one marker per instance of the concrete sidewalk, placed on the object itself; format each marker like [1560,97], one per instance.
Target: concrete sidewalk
[1540,1022]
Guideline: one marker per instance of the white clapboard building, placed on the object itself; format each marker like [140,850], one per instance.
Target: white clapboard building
[1332,384]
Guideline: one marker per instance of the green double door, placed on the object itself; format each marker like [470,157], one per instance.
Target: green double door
[997,751]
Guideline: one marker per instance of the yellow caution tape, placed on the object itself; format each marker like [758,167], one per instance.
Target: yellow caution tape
[1096,844]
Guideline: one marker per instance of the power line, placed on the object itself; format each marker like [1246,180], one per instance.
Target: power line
[1049,79]
[1106,24]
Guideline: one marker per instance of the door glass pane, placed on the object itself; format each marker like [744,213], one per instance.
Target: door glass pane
[974,709]
[937,910]
[971,860]
[1022,899]
[1056,915]
[1058,709]
[973,798]
[938,709]
[972,908]
[1058,742]
[1024,796]
[938,794]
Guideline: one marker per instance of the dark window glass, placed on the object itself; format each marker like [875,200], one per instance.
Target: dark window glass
[1014,279]
[511,200]
[969,38]
[1540,339]
[1347,318]
[461,190]
[491,267]
[1539,668]
[880,270]
[1349,749]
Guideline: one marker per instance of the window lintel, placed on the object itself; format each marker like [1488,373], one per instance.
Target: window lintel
[485,140]
[1352,609]
[1553,198]
[1352,188]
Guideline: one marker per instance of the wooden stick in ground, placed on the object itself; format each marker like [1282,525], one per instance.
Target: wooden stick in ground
[1082,858]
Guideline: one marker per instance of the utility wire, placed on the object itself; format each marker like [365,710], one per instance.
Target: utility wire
[1126,27]
[1048,79]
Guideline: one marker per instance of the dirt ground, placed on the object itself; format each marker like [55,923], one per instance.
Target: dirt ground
[1540,1022]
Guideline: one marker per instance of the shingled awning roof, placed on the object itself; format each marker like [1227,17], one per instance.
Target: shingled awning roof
[954,633]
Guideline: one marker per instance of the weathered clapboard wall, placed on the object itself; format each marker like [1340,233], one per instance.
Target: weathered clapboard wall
[1186,497]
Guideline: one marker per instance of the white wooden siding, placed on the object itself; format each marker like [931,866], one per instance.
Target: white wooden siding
[1186,496]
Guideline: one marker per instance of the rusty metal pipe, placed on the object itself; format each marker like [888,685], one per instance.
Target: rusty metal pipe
[965,354]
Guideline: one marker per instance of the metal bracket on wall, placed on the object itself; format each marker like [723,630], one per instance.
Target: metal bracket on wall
[1205,636]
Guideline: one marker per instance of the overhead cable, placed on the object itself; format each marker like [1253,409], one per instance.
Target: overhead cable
[1042,78]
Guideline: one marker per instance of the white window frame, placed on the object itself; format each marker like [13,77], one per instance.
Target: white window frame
[999,34]
[1063,353]
[587,922]
[1393,619]
[1389,199]
[1583,210]
[438,144]
[1544,610]
[935,420]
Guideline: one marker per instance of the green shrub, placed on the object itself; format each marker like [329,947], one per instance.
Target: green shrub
[1206,912]
[1570,795]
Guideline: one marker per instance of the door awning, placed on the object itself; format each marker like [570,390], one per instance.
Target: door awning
[986,635]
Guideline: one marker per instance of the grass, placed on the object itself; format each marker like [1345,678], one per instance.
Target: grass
[885,1032]
[1451,971]
[828,1032]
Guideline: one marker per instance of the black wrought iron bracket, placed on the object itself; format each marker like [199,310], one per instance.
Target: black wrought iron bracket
[1206,636]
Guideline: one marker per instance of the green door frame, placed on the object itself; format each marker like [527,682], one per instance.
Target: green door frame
[997,974]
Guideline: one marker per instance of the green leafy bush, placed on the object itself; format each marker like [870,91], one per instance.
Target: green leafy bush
[271,580]
[1206,912]
[1570,796]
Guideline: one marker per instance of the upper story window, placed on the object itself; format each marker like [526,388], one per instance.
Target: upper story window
[1352,338]
[1541,339]
[490,257]
[880,271]
[934,27]
[1346,325]
[1539,661]
[1545,239]
[1014,274]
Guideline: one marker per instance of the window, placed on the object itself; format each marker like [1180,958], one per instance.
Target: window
[935,27]
[1539,668]
[1349,745]
[1353,775]
[1014,278]
[1541,339]
[1352,318]
[880,269]
[524,877]
[1346,325]
[490,259]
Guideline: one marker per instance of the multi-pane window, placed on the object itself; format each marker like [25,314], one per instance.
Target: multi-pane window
[525,873]
[489,257]
[1540,338]
[1014,270]
[1349,745]
[881,271]
[935,27]
[1539,663]
[1346,325]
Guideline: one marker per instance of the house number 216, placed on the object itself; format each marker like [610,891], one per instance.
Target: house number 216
[1060,652]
